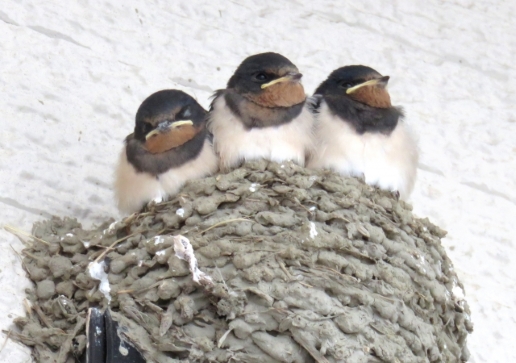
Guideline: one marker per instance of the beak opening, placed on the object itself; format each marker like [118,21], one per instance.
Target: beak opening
[295,76]
[378,82]
[292,76]
[166,126]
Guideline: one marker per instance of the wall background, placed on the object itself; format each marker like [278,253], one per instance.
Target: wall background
[72,75]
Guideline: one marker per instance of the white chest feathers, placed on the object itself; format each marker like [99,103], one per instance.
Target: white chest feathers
[386,161]
[234,143]
[133,189]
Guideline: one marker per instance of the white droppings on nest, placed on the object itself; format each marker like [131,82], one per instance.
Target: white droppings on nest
[458,296]
[458,292]
[86,243]
[313,230]
[282,166]
[112,228]
[160,253]
[63,300]
[184,250]
[312,179]
[140,263]
[422,263]
[158,240]
[253,187]
[122,348]
[96,271]
[311,209]
[180,212]
[69,235]
[158,199]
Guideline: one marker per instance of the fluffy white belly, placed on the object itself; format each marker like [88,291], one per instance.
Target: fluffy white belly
[233,143]
[387,161]
[133,190]
[205,164]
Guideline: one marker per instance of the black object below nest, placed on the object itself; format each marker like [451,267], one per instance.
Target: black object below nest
[106,342]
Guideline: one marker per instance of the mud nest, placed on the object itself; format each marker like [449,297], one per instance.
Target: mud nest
[305,266]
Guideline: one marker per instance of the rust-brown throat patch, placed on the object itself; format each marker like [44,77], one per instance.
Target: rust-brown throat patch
[374,96]
[282,94]
[173,138]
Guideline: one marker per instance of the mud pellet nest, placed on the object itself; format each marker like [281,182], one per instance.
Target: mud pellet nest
[306,266]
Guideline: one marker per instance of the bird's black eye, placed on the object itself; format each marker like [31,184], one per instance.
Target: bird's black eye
[146,127]
[345,84]
[141,129]
[261,76]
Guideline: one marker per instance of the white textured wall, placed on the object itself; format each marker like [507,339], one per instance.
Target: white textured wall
[73,73]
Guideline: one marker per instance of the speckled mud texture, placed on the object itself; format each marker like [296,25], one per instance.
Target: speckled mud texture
[305,266]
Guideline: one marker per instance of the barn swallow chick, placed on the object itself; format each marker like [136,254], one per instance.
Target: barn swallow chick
[262,113]
[169,146]
[359,132]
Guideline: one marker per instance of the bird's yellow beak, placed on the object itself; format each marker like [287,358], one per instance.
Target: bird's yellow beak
[382,82]
[176,124]
[287,78]
[162,128]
